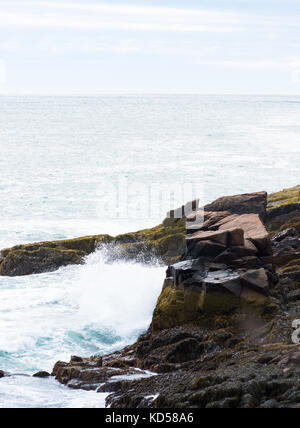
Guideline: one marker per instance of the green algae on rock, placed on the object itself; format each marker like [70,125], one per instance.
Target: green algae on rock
[284,197]
[47,256]
[283,223]
[164,242]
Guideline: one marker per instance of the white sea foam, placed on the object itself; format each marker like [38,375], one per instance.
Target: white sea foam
[118,296]
[91,309]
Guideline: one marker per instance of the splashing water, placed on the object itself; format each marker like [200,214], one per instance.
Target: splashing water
[85,310]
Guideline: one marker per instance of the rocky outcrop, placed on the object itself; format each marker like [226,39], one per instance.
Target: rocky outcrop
[164,243]
[227,268]
[47,256]
[221,333]
[283,223]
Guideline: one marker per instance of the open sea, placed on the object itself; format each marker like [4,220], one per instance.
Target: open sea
[74,166]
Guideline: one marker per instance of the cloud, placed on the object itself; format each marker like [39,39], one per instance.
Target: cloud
[291,65]
[8,19]
[126,17]
[253,64]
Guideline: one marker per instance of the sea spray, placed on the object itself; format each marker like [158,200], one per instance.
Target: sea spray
[94,308]
[117,295]
[88,309]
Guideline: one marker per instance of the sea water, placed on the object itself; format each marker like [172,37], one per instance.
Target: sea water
[64,164]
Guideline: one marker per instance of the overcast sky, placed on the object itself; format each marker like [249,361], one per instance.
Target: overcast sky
[206,46]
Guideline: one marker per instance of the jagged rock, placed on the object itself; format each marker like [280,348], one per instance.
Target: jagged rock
[2,374]
[242,204]
[287,233]
[208,249]
[249,246]
[221,292]
[254,230]
[181,271]
[256,280]
[204,220]
[229,237]
[289,358]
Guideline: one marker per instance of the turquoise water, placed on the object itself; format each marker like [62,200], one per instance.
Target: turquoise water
[64,162]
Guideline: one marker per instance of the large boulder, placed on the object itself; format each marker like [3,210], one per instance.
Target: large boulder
[254,230]
[227,266]
[249,203]
[227,237]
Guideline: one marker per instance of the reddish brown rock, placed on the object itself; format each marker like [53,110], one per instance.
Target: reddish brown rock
[253,228]
[231,236]
[204,220]
[242,204]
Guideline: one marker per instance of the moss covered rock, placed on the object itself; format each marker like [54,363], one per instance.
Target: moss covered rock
[47,256]
[164,242]
[284,197]
[283,223]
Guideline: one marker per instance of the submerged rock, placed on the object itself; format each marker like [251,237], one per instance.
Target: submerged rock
[42,375]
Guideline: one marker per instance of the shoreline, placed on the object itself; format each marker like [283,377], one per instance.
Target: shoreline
[247,306]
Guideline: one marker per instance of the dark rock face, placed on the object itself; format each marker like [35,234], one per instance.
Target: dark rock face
[42,375]
[2,374]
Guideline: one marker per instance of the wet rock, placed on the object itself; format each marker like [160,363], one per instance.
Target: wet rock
[185,350]
[187,269]
[2,374]
[287,233]
[47,256]
[42,375]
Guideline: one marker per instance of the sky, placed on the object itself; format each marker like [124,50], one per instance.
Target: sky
[149,46]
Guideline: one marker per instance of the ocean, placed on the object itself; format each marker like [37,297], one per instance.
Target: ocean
[74,166]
